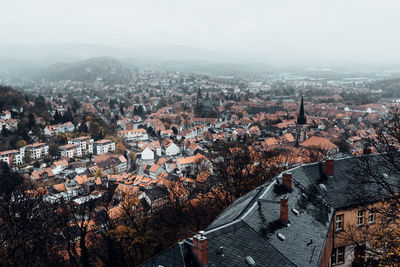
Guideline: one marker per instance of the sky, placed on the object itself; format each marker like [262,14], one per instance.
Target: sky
[286,30]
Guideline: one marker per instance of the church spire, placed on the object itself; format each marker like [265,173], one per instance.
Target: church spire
[301,119]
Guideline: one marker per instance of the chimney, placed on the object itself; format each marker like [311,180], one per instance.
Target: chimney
[200,248]
[287,180]
[329,167]
[285,210]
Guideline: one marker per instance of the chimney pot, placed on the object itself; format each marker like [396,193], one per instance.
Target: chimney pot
[200,248]
[285,210]
[287,179]
[329,167]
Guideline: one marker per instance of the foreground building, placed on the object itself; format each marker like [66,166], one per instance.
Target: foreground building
[296,219]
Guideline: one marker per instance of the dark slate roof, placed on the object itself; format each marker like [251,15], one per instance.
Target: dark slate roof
[343,189]
[240,241]
[250,225]
[313,221]
[156,193]
[168,258]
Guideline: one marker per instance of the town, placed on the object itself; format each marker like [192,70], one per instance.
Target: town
[155,139]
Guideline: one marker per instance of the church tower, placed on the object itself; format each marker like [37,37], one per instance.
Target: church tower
[301,125]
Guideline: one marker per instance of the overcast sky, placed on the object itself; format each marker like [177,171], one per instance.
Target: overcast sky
[348,30]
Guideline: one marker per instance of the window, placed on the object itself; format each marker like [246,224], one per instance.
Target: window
[339,222]
[371,216]
[337,255]
[360,217]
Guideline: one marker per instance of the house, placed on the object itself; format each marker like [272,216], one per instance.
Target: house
[5,115]
[134,135]
[111,164]
[273,225]
[11,157]
[156,197]
[85,142]
[170,148]
[70,150]
[155,170]
[147,154]
[35,151]
[103,146]
[183,163]
[156,147]
[322,143]
[299,218]
[52,130]
[59,166]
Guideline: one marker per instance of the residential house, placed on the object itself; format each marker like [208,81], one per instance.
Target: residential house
[156,197]
[70,150]
[11,157]
[134,135]
[170,148]
[103,146]
[35,151]
[147,153]
[85,142]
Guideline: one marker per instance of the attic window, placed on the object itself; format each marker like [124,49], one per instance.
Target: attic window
[281,237]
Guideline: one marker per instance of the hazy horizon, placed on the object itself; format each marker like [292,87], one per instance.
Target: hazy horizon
[279,32]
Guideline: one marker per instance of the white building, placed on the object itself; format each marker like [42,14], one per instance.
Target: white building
[134,135]
[85,142]
[71,150]
[147,154]
[172,149]
[35,151]
[103,146]
[11,157]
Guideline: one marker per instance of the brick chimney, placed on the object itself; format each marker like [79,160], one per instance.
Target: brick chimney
[329,167]
[287,180]
[284,210]
[200,248]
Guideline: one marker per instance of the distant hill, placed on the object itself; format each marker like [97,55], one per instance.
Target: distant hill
[105,68]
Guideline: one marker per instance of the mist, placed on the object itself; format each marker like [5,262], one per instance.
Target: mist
[278,32]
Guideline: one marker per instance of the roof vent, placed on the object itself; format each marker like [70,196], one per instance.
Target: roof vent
[281,237]
[385,175]
[296,212]
[249,260]
[323,187]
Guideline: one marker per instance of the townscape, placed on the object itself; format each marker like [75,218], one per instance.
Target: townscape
[171,133]
[154,141]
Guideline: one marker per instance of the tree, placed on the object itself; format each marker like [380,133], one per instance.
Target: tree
[99,173]
[53,149]
[237,170]
[60,139]
[96,131]
[27,158]
[120,148]
[20,143]
[83,126]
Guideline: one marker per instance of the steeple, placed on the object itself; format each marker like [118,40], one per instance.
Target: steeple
[301,119]
[301,126]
